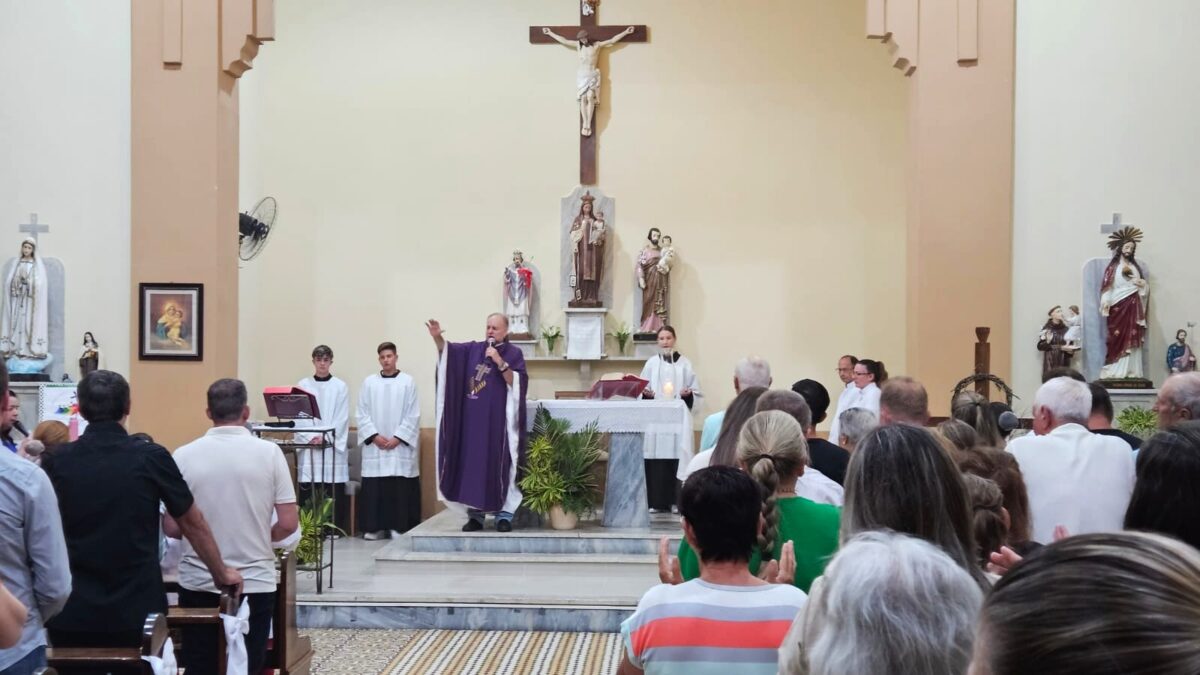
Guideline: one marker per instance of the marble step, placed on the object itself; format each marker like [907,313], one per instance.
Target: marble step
[454,558]
[443,534]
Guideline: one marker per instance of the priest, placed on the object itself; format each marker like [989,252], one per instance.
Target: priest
[481,388]
[389,427]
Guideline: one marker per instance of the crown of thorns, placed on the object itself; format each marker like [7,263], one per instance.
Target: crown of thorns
[1123,236]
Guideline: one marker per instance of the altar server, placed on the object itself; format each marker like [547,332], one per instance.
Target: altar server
[389,429]
[330,466]
[671,376]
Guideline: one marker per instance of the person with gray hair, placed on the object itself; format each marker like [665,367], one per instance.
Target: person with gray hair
[853,425]
[888,603]
[1178,399]
[752,371]
[1076,479]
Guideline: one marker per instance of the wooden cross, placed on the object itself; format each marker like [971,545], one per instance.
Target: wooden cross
[596,33]
[33,228]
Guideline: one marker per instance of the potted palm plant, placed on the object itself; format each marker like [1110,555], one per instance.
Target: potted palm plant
[559,481]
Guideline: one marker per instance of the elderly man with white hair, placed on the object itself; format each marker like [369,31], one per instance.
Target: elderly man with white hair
[1076,479]
[853,425]
[1178,400]
[751,371]
[888,603]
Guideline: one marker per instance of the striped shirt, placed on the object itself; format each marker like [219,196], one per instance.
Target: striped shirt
[700,628]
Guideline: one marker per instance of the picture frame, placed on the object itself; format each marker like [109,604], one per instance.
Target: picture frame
[170,322]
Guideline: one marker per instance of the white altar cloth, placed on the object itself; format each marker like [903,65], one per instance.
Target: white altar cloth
[666,426]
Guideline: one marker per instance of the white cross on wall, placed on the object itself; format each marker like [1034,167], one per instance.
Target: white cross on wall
[1116,224]
[33,228]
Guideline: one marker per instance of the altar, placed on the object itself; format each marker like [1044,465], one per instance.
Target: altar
[639,429]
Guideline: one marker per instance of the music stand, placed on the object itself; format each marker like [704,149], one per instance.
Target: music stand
[628,387]
[291,403]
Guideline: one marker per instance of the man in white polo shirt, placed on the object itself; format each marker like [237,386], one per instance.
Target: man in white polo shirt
[239,482]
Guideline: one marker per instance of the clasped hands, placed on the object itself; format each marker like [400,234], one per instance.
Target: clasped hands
[386,443]
[782,571]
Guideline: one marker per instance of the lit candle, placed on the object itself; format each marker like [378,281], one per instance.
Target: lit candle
[668,389]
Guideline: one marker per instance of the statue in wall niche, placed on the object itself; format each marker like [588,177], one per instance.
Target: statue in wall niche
[1124,297]
[89,355]
[588,235]
[518,290]
[25,319]
[1180,358]
[587,78]
[1057,352]
[654,279]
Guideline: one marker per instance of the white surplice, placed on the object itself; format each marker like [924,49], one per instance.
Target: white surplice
[388,406]
[659,371]
[333,402]
[853,397]
[1077,479]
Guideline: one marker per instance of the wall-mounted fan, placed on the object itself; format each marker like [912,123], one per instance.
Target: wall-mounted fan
[254,227]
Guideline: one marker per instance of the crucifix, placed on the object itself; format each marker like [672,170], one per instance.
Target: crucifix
[589,39]
[1116,224]
[33,228]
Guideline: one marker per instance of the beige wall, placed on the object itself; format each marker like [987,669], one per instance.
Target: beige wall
[413,145]
[1102,130]
[64,131]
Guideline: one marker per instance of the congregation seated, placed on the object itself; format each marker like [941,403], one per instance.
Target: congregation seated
[853,425]
[902,479]
[726,615]
[1101,419]
[811,484]
[903,400]
[751,371]
[825,456]
[888,603]
[1098,603]
[109,488]
[1076,479]
[724,452]
[772,450]
[1165,495]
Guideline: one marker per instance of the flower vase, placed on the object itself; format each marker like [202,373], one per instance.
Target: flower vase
[562,520]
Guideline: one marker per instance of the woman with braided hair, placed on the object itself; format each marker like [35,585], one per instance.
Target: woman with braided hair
[771,448]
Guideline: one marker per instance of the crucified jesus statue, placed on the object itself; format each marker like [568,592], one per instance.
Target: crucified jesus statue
[587,78]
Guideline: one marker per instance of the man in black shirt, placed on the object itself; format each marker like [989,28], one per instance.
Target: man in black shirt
[824,456]
[109,487]
[1101,419]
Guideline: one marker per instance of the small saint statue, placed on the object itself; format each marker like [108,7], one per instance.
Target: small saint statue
[25,323]
[89,355]
[1124,294]
[587,78]
[518,289]
[654,279]
[1180,358]
[588,235]
[1074,321]
[1056,350]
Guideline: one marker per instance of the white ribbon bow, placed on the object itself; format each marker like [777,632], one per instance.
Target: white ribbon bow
[165,664]
[236,628]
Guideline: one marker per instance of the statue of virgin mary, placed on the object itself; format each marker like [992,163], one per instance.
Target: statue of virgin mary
[25,321]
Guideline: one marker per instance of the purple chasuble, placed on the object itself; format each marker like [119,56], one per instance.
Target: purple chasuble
[474,459]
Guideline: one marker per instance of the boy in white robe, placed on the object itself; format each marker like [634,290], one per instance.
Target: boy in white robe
[389,426]
[330,466]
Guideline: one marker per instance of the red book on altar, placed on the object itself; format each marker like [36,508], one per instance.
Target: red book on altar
[291,403]
[630,386]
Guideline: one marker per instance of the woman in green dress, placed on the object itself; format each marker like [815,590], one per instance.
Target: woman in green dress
[771,448]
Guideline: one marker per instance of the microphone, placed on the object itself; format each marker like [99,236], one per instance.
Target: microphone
[20,427]
[1008,421]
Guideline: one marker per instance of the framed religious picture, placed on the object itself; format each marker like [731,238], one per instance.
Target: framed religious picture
[171,322]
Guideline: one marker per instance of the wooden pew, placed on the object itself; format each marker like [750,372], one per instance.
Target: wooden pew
[177,617]
[290,652]
[68,660]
